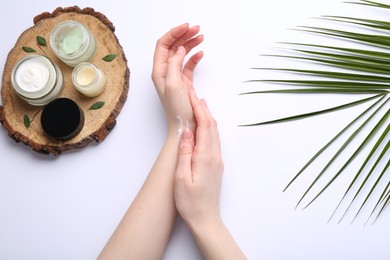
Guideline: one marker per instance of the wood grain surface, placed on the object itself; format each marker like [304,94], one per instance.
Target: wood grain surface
[98,123]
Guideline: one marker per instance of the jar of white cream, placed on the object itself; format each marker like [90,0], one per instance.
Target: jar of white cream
[72,42]
[37,80]
[89,79]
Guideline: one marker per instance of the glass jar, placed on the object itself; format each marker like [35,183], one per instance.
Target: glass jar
[37,80]
[72,42]
[89,79]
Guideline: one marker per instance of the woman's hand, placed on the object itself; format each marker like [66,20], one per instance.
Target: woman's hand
[199,171]
[197,186]
[172,80]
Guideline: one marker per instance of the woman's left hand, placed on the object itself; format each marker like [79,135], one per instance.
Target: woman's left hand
[173,80]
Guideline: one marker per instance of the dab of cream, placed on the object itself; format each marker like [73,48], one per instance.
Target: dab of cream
[86,75]
[32,75]
[181,126]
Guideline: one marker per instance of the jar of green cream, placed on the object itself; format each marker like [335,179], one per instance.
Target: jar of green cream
[37,80]
[72,42]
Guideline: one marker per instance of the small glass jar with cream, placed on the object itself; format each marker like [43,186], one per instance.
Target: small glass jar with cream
[89,79]
[37,80]
[72,42]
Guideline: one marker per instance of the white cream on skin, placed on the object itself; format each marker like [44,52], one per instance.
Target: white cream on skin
[32,75]
[181,126]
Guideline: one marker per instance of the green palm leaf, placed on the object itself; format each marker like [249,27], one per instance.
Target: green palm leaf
[348,71]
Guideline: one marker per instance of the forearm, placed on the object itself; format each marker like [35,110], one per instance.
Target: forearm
[144,231]
[215,241]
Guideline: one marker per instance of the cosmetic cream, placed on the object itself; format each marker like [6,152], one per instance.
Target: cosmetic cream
[89,79]
[37,79]
[72,42]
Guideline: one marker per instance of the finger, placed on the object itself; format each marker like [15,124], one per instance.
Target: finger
[171,37]
[191,64]
[174,67]
[201,112]
[206,132]
[187,37]
[184,162]
[193,42]
[164,44]
[178,36]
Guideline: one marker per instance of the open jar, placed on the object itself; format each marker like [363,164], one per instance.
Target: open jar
[37,80]
[89,79]
[72,42]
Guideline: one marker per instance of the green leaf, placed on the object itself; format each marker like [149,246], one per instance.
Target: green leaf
[109,57]
[381,25]
[370,3]
[379,160]
[366,53]
[373,39]
[368,110]
[384,199]
[97,105]
[337,75]
[28,49]
[344,71]
[26,121]
[344,64]
[339,152]
[317,90]
[41,40]
[360,171]
[385,194]
[315,113]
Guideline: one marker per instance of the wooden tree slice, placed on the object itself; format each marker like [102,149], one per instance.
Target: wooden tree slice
[98,123]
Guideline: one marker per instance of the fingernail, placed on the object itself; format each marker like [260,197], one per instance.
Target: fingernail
[203,102]
[187,134]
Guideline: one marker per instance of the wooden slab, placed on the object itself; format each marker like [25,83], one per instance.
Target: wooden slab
[98,123]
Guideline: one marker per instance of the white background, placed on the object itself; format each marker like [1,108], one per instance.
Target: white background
[66,207]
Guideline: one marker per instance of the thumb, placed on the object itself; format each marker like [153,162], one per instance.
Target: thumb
[174,66]
[186,148]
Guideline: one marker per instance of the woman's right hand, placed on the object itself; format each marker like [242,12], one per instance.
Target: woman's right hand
[199,169]
[197,186]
